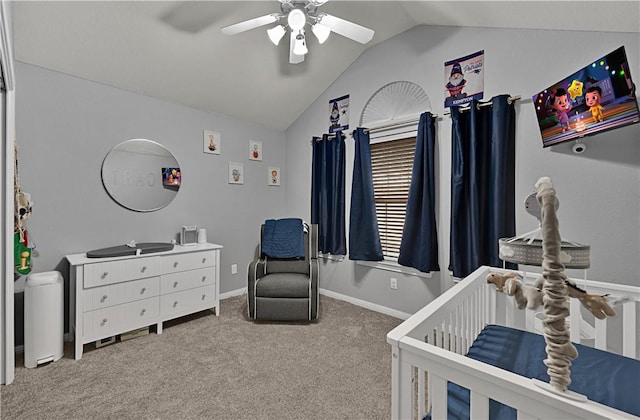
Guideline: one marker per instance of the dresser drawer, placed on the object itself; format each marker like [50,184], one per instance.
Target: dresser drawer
[141,313]
[176,282]
[103,273]
[102,323]
[119,293]
[188,301]
[115,319]
[188,261]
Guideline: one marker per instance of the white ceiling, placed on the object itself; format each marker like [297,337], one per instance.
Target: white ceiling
[175,51]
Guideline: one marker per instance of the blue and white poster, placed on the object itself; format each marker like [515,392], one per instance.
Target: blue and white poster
[464,79]
[339,114]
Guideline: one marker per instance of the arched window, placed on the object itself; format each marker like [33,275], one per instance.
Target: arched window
[392,115]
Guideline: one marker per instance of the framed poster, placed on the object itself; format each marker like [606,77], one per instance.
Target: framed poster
[211,142]
[464,79]
[255,150]
[339,114]
[236,173]
[273,176]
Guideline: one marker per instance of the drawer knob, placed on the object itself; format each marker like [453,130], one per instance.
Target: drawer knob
[204,278]
[175,284]
[175,303]
[103,298]
[143,311]
[175,264]
[105,274]
[204,260]
[104,321]
[204,296]
[144,289]
[143,269]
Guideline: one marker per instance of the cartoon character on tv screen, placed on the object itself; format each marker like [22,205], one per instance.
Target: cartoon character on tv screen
[592,98]
[561,104]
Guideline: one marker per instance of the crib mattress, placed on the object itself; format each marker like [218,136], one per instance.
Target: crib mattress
[604,377]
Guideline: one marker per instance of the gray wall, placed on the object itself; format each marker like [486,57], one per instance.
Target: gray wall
[67,125]
[598,190]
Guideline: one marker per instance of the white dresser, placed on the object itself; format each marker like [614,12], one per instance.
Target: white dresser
[110,296]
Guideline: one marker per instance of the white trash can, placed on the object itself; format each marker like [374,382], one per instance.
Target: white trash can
[43,318]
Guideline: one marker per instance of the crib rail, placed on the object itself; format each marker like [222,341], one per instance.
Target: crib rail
[486,382]
[429,348]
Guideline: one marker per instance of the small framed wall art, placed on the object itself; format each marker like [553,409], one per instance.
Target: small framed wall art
[255,150]
[236,173]
[273,176]
[212,141]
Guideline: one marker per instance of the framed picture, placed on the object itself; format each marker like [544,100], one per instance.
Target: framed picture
[255,150]
[273,176]
[236,173]
[211,142]
[464,79]
[339,114]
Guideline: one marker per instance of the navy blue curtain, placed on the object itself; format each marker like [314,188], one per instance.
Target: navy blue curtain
[482,184]
[419,246]
[364,238]
[327,193]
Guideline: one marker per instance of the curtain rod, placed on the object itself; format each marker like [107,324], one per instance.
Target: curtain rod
[319,139]
[383,127]
[510,100]
[396,124]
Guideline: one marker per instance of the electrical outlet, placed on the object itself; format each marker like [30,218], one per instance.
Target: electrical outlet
[234,268]
[394,283]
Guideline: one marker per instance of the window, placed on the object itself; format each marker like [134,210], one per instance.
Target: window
[392,164]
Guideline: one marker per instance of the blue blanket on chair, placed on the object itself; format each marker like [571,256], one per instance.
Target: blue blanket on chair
[283,238]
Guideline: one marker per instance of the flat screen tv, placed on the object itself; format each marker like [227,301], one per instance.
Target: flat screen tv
[171,177]
[598,97]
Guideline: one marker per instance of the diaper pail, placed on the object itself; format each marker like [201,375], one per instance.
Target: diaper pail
[43,318]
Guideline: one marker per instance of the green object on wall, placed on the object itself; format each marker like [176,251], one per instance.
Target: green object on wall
[21,255]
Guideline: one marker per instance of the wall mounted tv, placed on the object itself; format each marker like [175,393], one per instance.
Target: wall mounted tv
[171,177]
[598,97]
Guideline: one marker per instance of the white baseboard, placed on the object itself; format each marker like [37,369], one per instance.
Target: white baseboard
[367,305]
[233,293]
[354,301]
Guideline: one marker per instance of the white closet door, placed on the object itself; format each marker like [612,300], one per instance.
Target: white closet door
[7,124]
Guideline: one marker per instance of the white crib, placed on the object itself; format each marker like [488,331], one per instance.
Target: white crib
[429,348]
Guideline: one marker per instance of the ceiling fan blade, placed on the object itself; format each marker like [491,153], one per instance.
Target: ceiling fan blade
[293,58]
[347,29]
[250,24]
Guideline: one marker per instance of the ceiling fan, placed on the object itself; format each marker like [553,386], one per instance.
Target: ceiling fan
[298,13]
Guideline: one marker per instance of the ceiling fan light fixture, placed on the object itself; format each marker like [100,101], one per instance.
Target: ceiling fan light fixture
[300,45]
[321,32]
[296,19]
[276,33]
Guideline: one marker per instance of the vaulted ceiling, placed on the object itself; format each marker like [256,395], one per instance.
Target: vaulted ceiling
[174,50]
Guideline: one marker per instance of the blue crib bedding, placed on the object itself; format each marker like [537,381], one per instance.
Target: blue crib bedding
[606,378]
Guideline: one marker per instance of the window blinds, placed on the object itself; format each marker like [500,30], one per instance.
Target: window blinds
[392,164]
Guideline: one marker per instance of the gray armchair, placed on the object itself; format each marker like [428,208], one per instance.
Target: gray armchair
[285,289]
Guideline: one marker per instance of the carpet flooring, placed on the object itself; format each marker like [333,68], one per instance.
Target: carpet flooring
[220,367]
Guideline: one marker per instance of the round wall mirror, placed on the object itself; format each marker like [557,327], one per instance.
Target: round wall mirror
[141,175]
